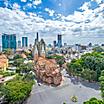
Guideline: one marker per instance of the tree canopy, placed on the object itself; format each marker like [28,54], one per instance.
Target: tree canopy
[89,66]
[17,90]
[94,101]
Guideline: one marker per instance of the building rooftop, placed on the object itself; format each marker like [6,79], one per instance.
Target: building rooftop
[3,60]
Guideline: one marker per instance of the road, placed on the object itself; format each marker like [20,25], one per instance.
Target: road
[57,95]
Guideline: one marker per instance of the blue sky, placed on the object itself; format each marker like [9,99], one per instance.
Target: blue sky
[64,7]
[78,20]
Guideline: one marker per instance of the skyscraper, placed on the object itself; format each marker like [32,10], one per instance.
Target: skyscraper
[8,41]
[19,44]
[54,44]
[24,42]
[37,36]
[59,41]
[65,44]
[30,46]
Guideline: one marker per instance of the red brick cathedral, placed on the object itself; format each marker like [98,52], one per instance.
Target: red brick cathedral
[46,70]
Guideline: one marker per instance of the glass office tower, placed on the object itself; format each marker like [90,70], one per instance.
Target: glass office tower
[24,42]
[8,41]
[59,41]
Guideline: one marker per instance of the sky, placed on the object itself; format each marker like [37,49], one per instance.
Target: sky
[79,21]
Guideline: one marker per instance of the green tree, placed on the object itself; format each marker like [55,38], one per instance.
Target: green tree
[17,90]
[8,51]
[59,59]
[24,68]
[75,67]
[86,74]
[17,56]
[101,79]
[89,75]
[69,69]
[28,77]
[98,49]
[93,75]
[91,64]
[18,62]
[94,101]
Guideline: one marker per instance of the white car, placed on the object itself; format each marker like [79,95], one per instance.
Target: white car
[39,84]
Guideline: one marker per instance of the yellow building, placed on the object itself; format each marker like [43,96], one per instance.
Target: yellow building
[3,62]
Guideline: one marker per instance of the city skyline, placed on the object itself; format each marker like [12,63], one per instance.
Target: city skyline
[51,51]
[69,40]
[79,21]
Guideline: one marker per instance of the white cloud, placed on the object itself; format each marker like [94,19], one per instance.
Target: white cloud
[16,6]
[37,2]
[29,5]
[60,4]
[98,1]
[85,6]
[23,0]
[51,12]
[6,3]
[16,21]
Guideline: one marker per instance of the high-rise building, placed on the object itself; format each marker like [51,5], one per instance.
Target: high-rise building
[102,44]
[8,41]
[30,46]
[24,42]
[54,44]
[90,44]
[65,44]
[59,41]
[19,44]
[37,36]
